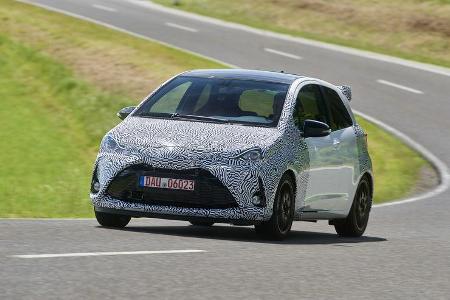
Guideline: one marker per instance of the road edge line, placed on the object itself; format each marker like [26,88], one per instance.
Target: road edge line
[440,167]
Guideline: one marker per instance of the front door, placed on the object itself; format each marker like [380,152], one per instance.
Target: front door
[322,189]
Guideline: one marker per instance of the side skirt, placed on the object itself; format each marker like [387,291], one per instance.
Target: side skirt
[320,215]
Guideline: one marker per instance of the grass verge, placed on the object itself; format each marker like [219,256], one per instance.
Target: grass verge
[411,29]
[61,82]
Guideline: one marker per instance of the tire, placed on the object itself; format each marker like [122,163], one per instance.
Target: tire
[356,222]
[279,225]
[202,223]
[112,220]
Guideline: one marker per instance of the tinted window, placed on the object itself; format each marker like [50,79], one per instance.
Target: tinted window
[218,100]
[309,105]
[339,117]
[170,101]
[203,98]
[259,101]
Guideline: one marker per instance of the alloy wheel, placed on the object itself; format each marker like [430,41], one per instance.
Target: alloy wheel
[363,205]
[285,208]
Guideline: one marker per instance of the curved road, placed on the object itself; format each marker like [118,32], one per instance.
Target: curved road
[406,250]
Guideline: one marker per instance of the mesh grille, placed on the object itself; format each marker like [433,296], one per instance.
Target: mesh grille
[209,191]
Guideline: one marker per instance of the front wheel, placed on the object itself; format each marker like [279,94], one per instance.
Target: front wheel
[279,225]
[356,222]
[112,220]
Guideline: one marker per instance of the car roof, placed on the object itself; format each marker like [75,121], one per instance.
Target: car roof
[245,74]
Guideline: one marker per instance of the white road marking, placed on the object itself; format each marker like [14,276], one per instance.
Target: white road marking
[110,9]
[98,6]
[181,27]
[282,53]
[399,86]
[104,253]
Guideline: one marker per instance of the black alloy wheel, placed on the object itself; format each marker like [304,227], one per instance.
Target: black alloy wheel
[356,222]
[279,225]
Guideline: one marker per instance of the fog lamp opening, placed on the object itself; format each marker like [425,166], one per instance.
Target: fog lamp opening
[95,185]
[259,197]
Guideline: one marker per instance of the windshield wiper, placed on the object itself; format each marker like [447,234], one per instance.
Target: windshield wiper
[199,118]
[178,116]
[154,115]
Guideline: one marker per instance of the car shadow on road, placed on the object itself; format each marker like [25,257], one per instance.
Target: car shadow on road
[247,234]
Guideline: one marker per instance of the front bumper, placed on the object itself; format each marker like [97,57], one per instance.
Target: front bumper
[179,217]
[242,182]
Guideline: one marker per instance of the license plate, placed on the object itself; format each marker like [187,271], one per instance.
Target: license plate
[167,183]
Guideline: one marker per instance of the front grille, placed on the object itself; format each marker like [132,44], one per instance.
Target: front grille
[209,191]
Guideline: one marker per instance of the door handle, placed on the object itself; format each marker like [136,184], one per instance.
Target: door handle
[336,143]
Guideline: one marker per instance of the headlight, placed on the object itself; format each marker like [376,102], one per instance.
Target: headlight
[251,154]
[109,144]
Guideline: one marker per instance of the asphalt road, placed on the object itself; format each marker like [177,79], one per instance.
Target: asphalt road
[406,250]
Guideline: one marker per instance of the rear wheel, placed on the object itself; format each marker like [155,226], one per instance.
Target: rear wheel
[280,223]
[112,220]
[202,223]
[356,222]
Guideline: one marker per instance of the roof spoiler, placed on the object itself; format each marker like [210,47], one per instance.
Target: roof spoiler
[347,91]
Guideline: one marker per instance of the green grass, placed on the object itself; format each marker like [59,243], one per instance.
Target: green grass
[56,106]
[412,29]
[44,168]
[396,167]
[61,82]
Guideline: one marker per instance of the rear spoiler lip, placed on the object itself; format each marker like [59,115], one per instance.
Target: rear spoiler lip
[346,90]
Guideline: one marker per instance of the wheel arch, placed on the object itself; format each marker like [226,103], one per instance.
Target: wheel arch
[369,176]
[292,176]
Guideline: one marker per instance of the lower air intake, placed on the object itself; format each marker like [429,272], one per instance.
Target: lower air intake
[209,191]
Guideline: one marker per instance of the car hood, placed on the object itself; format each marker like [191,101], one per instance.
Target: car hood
[144,133]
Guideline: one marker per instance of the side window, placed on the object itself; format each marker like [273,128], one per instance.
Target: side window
[339,117]
[309,105]
[170,101]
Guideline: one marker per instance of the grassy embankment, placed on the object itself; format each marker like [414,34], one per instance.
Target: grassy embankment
[61,82]
[411,29]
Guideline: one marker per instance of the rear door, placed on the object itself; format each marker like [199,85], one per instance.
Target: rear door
[344,160]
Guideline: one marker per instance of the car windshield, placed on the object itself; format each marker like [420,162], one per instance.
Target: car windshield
[219,100]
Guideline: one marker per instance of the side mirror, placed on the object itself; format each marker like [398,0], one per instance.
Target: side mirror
[124,112]
[312,128]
